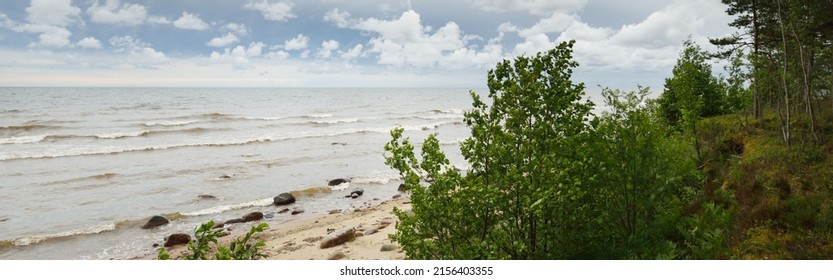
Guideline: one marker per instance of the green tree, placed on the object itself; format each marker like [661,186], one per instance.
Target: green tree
[523,196]
[692,92]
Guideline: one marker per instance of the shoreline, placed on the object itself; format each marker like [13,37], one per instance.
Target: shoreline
[300,239]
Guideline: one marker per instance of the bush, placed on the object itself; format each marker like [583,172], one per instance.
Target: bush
[205,235]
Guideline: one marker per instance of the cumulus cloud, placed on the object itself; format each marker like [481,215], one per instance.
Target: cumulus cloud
[239,57]
[297,43]
[275,11]
[52,12]
[139,53]
[223,41]
[236,28]
[337,17]
[113,12]
[89,43]
[327,48]
[406,42]
[353,53]
[190,21]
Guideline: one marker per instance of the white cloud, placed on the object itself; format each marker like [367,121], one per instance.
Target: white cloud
[52,12]
[353,53]
[139,54]
[226,40]
[190,21]
[236,28]
[535,7]
[275,11]
[327,48]
[112,12]
[57,37]
[239,57]
[297,43]
[338,17]
[405,42]
[89,43]
[158,20]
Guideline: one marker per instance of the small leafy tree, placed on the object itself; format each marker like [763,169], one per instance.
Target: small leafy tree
[205,235]
[523,196]
[692,92]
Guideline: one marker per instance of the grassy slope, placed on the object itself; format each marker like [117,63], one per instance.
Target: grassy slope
[781,195]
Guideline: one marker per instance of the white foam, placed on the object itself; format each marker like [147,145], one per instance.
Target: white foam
[23,139]
[341,187]
[381,180]
[318,116]
[170,123]
[116,135]
[350,120]
[224,208]
[23,241]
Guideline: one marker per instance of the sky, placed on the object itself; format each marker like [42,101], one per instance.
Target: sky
[332,43]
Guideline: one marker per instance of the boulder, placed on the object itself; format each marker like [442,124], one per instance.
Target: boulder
[388,247]
[337,237]
[155,221]
[336,182]
[254,216]
[355,194]
[177,239]
[337,255]
[284,199]
[235,221]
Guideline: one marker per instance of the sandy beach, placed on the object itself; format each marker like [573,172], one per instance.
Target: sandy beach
[301,239]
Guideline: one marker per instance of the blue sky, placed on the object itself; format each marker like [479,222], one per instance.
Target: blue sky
[331,43]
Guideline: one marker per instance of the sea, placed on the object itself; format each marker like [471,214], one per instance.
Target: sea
[82,169]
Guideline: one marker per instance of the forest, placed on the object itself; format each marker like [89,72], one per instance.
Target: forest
[717,166]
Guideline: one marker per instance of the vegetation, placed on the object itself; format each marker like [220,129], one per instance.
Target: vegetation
[685,176]
[206,237]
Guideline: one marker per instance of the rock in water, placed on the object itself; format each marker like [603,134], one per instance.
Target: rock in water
[355,194]
[254,216]
[284,199]
[235,221]
[283,211]
[337,237]
[402,188]
[177,239]
[155,221]
[297,211]
[336,182]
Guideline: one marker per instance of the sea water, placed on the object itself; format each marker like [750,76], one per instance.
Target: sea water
[82,169]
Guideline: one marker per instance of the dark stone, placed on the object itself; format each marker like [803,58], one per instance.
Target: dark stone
[337,237]
[297,211]
[219,225]
[269,215]
[206,196]
[254,216]
[397,196]
[336,182]
[224,177]
[283,211]
[402,188]
[356,193]
[155,221]
[336,211]
[284,199]
[177,239]
[235,221]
